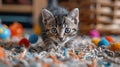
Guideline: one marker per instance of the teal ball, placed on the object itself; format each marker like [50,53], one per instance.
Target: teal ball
[33,38]
[103,42]
[4,32]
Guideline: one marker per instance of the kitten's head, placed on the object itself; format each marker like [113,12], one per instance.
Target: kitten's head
[61,28]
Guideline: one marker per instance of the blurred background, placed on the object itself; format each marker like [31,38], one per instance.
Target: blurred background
[102,15]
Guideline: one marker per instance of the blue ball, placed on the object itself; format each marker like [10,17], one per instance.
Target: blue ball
[103,42]
[5,33]
[33,38]
[108,64]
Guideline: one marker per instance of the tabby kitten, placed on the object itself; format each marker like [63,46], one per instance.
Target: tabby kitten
[59,27]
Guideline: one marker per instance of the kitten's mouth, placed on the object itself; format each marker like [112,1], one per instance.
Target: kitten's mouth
[61,39]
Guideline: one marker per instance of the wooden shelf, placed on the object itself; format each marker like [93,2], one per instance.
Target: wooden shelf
[109,31]
[107,4]
[107,14]
[104,22]
[16,8]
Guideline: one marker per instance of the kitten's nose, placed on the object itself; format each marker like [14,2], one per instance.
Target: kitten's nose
[61,39]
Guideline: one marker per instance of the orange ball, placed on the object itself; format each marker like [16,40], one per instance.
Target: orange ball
[16,29]
[115,46]
[95,41]
[110,39]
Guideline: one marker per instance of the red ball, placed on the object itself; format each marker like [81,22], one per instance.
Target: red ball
[110,39]
[24,42]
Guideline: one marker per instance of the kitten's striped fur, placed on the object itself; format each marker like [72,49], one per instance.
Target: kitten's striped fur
[60,27]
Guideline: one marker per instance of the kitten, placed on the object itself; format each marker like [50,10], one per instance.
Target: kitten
[59,27]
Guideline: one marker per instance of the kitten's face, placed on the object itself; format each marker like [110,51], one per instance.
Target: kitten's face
[61,28]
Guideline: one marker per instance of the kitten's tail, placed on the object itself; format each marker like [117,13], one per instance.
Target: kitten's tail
[52,3]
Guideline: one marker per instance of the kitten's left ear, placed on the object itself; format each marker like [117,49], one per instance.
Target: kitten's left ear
[74,15]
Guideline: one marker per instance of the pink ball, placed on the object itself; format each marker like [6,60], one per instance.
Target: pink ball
[94,33]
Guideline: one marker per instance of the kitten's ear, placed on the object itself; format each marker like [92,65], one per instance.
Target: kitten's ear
[74,15]
[47,16]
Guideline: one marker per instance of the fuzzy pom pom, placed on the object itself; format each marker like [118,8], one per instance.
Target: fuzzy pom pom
[95,41]
[16,29]
[24,42]
[103,42]
[33,38]
[115,46]
[110,39]
[94,33]
[4,32]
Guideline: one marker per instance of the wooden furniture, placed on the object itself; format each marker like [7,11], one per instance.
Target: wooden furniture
[35,8]
[103,14]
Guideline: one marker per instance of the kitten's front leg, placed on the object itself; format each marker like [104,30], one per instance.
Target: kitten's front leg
[49,45]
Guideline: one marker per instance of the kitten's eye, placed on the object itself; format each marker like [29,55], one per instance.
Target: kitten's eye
[67,30]
[53,30]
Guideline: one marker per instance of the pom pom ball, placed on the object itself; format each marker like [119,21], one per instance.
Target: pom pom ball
[16,29]
[103,42]
[94,33]
[33,38]
[24,42]
[4,32]
[115,46]
[110,39]
[95,41]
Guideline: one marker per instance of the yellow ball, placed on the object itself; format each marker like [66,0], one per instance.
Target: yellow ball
[115,46]
[1,30]
[95,41]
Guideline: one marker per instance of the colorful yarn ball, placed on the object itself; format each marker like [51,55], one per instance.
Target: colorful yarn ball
[103,42]
[94,33]
[115,46]
[110,39]
[33,38]
[95,41]
[24,42]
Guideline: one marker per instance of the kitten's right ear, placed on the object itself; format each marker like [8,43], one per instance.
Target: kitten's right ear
[74,15]
[46,16]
